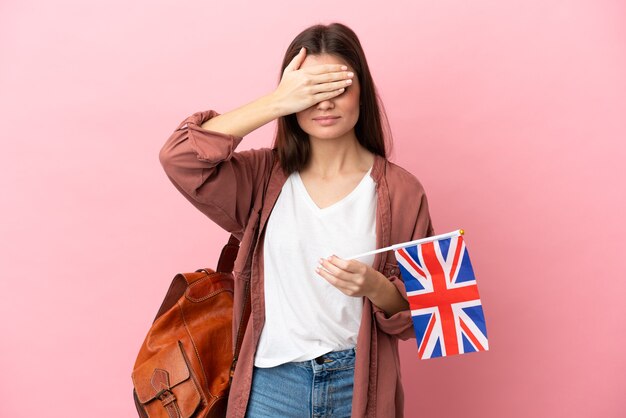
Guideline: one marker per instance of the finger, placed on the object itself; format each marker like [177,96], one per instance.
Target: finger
[320,97]
[351,266]
[324,87]
[297,61]
[325,68]
[343,286]
[331,77]
[340,273]
[330,267]
[330,278]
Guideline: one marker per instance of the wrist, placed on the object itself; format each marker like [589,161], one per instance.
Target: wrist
[380,289]
[273,105]
[387,297]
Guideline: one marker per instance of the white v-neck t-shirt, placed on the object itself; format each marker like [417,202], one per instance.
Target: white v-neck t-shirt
[306,316]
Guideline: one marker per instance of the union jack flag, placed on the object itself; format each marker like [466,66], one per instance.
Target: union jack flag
[441,287]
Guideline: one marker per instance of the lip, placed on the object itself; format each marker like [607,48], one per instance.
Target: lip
[326,120]
[325,117]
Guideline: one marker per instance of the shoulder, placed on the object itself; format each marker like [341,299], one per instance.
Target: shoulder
[400,179]
[408,201]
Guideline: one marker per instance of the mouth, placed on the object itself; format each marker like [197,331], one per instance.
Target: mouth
[325,117]
[326,120]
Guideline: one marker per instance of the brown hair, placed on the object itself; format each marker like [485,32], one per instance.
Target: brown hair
[291,142]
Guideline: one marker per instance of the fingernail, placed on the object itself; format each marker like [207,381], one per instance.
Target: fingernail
[344,68]
[350,74]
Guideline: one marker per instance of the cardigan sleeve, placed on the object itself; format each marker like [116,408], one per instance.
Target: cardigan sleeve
[206,170]
[401,324]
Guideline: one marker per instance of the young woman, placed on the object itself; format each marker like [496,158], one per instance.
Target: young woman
[323,331]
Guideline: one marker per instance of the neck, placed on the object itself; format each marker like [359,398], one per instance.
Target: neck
[337,156]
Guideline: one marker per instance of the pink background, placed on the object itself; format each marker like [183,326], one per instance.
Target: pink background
[512,114]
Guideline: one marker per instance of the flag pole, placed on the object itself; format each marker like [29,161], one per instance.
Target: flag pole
[406,244]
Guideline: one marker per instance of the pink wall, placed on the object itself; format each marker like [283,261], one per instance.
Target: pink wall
[512,114]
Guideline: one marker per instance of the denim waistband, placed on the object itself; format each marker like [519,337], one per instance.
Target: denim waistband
[332,360]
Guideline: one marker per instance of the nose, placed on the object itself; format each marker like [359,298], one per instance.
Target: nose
[325,104]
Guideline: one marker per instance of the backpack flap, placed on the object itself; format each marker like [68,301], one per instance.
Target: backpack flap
[164,381]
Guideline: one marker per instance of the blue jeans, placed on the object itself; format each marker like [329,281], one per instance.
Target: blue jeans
[316,388]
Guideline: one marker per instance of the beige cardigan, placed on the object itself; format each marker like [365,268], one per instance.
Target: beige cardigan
[227,187]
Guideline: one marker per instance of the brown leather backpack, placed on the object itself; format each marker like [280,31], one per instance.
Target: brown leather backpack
[185,365]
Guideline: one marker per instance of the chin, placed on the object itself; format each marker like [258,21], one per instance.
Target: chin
[326,133]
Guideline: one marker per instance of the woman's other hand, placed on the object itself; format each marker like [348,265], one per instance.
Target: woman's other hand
[301,88]
[357,279]
[351,277]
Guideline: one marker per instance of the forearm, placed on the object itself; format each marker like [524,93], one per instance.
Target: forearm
[388,298]
[245,119]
